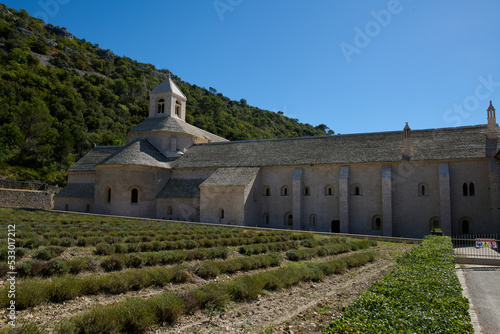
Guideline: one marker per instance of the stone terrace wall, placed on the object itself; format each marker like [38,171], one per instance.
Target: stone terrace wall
[30,199]
[27,194]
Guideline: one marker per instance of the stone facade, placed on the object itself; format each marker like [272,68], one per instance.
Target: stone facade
[400,183]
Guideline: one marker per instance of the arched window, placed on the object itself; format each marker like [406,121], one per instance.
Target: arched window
[468,190]
[221,213]
[265,218]
[312,220]
[108,195]
[356,190]
[284,191]
[177,108]
[161,106]
[266,191]
[288,219]
[423,189]
[169,210]
[329,190]
[87,208]
[66,207]
[134,196]
[377,223]
[307,191]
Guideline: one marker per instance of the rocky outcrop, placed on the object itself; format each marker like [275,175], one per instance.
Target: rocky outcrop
[63,32]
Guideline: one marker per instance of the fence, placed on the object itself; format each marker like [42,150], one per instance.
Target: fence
[477,249]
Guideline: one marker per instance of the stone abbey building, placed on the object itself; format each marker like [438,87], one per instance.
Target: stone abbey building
[399,183]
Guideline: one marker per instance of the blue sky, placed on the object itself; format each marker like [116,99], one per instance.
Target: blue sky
[356,66]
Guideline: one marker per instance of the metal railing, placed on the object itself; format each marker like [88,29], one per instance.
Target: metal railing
[477,248]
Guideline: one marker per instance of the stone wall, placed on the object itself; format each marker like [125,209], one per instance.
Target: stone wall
[122,180]
[31,199]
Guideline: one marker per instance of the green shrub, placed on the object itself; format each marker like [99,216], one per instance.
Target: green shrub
[81,242]
[246,288]
[54,241]
[422,292]
[308,243]
[135,261]
[20,252]
[33,243]
[104,249]
[67,242]
[97,320]
[25,328]
[44,254]
[120,248]
[63,288]
[114,262]
[29,293]
[167,307]
[56,267]
[91,284]
[24,268]
[213,294]
[4,253]
[362,243]
[78,264]
[207,270]
[180,275]
[299,254]
[135,315]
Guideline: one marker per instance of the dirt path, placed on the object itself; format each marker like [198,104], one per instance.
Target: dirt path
[305,308]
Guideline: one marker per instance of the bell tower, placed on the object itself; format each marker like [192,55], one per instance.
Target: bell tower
[167,100]
[492,122]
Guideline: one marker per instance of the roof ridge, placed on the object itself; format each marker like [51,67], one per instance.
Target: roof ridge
[361,134]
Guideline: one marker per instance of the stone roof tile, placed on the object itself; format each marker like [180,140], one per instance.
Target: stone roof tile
[77,190]
[174,124]
[433,144]
[224,177]
[181,188]
[168,86]
[139,152]
[92,158]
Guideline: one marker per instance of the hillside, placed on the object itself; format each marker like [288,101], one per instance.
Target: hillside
[60,96]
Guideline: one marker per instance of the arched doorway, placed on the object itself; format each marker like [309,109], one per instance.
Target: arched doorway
[289,219]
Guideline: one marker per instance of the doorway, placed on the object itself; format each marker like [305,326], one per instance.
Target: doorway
[335,226]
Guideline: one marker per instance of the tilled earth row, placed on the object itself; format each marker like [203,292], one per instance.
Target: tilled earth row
[304,308]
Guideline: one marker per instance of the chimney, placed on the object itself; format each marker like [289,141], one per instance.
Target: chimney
[407,142]
[492,122]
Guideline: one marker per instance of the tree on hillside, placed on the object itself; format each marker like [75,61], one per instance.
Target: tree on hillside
[34,122]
